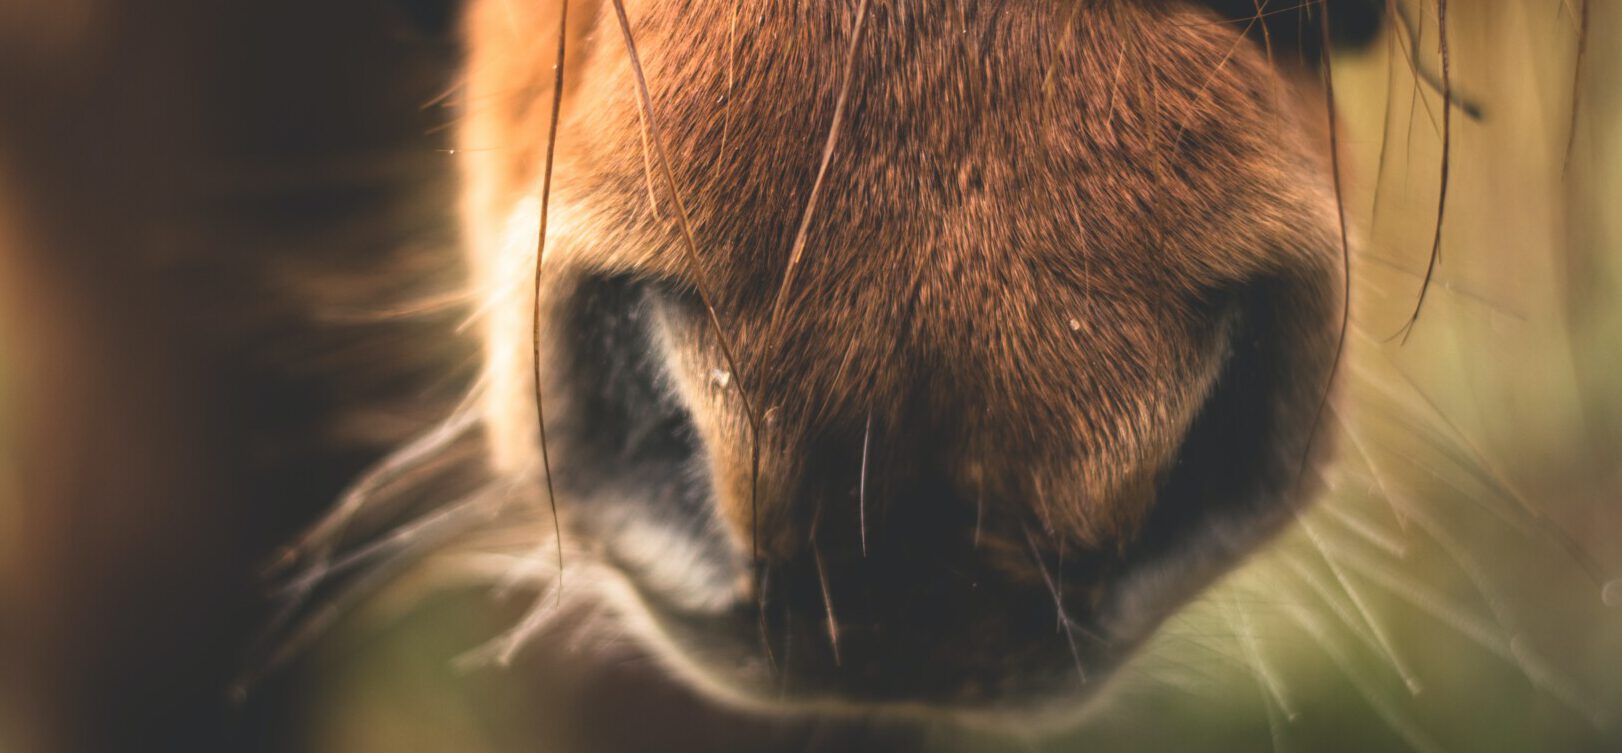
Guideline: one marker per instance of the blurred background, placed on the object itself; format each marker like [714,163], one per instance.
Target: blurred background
[228,283]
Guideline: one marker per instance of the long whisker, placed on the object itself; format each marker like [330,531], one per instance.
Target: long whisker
[696,264]
[1267,34]
[1366,531]
[289,630]
[763,580]
[1511,648]
[1446,286]
[1376,628]
[316,542]
[1407,38]
[1380,162]
[732,63]
[1442,183]
[1115,86]
[1064,621]
[435,526]
[1238,41]
[1345,259]
[1365,687]
[1058,51]
[1405,511]
[1549,527]
[834,129]
[540,255]
[502,649]
[1303,5]
[1273,688]
[1260,672]
[1425,75]
[861,488]
[827,603]
[647,163]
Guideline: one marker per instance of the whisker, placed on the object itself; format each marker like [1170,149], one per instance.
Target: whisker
[1509,515]
[1545,524]
[1459,554]
[373,565]
[1388,712]
[1272,686]
[696,264]
[732,64]
[1058,52]
[423,306]
[434,526]
[1267,34]
[424,449]
[1409,47]
[1367,531]
[1380,162]
[1442,183]
[1513,649]
[285,646]
[1064,621]
[1439,533]
[827,603]
[1115,86]
[1199,94]
[540,256]
[445,94]
[1447,286]
[1303,5]
[822,580]
[1328,594]
[647,164]
[861,487]
[764,579]
[834,129]
[1376,628]
[1345,261]
[1424,74]
[1551,682]
[1259,673]
[502,649]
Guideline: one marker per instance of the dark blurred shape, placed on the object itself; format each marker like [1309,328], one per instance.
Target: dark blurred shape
[201,205]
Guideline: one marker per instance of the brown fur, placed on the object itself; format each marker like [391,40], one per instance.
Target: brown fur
[1020,294]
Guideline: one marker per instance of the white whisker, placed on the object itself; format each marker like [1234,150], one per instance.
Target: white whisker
[1388,712]
[1376,628]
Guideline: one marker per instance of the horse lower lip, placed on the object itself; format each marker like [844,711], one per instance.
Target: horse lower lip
[1012,657]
